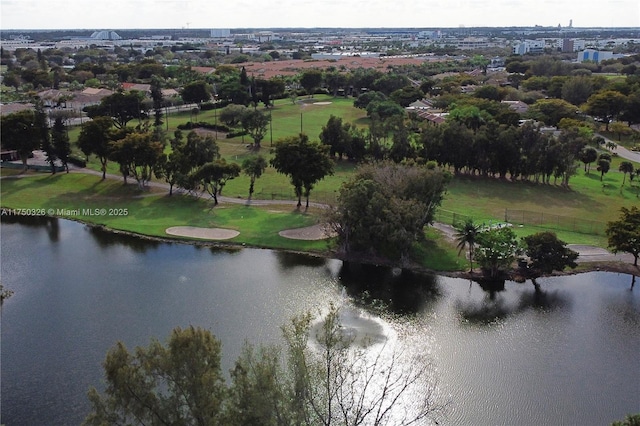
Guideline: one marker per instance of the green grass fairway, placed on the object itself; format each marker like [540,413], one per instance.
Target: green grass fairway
[68,195]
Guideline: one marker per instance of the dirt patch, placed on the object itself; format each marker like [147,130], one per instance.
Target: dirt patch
[202,233]
[310,233]
[200,131]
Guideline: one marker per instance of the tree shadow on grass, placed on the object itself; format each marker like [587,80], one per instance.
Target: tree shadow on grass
[509,193]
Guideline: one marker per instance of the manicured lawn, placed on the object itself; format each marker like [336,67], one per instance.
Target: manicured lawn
[285,122]
[151,213]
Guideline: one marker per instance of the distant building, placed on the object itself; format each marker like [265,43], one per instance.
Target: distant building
[105,35]
[473,43]
[529,46]
[517,106]
[430,34]
[220,33]
[594,55]
[420,104]
[567,45]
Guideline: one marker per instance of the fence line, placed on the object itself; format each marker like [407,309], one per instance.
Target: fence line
[531,218]
[554,221]
[451,218]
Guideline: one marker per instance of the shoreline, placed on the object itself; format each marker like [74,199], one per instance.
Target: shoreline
[512,275]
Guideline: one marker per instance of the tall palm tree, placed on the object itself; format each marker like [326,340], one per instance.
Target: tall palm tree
[466,237]
[625,167]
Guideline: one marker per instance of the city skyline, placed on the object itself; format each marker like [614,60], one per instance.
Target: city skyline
[141,14]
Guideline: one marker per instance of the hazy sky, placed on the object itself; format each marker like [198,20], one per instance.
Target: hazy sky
[115,14]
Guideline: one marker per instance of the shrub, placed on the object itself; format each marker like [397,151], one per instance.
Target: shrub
[77,161]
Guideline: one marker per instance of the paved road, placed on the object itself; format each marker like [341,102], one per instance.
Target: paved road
[622,151]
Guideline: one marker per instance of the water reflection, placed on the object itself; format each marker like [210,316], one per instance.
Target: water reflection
[397,291]
[106,239]
[288,260]
[497,303]
[50,224]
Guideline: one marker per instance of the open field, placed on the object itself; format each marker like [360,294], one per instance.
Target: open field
[151,212]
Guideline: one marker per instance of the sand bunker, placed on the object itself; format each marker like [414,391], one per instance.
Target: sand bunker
[322,103]
[202,233]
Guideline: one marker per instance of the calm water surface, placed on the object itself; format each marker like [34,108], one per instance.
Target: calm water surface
[567,356]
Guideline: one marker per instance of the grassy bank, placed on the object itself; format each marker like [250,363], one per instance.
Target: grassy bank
[152,212]
[71,195]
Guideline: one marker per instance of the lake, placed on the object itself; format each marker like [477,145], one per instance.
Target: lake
[567,355]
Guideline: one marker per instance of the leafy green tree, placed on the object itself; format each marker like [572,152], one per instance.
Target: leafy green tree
[305,163]
[196,92]
[576,90]
[401,147]
[624,233]
[256,124]
[214,176]
[310,80]
[258,395]
[588,155]
[42,124]
[138,154]
[173,166]
[200,150]
[232,114]
[335,80]
[631,113]
[568,146]
[390,82]
[187,157]
[547,254]
[496,251]
[269,90]
[630,420]
[366,98]
[471,116]
[336,135]
[490,92]
[604,164]
[60,141]
[254,167]
[405,96]
[19,132]
[385,109]
[466,235]
[94,138]
[383,208]
[180,383]
[158,100]
[625,167]
[122,107]
[551,111]
[605,105]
